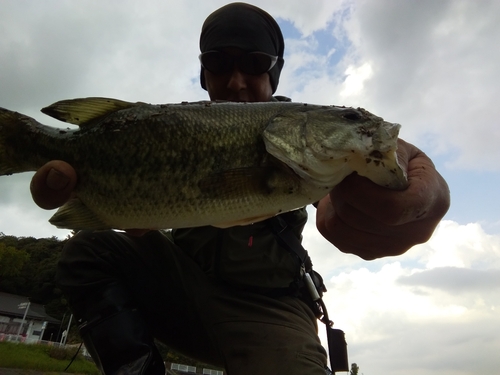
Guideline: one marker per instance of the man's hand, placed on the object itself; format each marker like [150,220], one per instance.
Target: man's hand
[365,219]
[53,184]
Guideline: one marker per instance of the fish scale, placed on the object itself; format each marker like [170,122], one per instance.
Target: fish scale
[204,163]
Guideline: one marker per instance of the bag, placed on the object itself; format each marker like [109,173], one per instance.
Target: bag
[337,349]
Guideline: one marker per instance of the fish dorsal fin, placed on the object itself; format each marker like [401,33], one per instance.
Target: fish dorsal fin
[75,215]
[83,111]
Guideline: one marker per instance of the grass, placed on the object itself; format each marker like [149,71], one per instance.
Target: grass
[43,358]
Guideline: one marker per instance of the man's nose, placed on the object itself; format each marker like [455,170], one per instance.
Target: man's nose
[237,81]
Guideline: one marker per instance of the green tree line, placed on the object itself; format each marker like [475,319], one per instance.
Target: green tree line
[28,268]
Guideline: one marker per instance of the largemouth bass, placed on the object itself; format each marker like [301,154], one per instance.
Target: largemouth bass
[205,163]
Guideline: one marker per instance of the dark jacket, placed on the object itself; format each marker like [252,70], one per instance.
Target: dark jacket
[246,256]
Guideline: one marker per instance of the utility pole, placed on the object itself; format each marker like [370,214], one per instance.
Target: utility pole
[60,327]
[24,305]
[44,326]
[65,337]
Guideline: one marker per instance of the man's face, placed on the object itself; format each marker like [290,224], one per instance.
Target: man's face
[237,86]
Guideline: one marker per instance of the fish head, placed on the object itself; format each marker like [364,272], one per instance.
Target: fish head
[334,132]
[324,144]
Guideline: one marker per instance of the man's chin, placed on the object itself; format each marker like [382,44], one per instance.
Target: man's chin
[239,99]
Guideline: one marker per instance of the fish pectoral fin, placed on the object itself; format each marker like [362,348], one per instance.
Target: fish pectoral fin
[242,222]
[236,182]
[83,111]
[75,215]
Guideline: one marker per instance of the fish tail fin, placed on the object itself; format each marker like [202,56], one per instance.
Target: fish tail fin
[13,130]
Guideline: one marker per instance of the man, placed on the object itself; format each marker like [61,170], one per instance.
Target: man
[225,296]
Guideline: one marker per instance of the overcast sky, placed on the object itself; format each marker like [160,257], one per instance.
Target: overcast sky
[431,66]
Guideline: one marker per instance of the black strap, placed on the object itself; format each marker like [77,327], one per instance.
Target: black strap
[336,339]
[74,356]
[290,241]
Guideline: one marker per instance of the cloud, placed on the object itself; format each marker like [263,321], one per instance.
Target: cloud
[306,18]
[355,78]
[454,279]
[120,49]
[434,71]
[431,311]
[458,245]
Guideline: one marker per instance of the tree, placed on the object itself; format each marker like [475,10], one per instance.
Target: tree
[354,369]
[12,260]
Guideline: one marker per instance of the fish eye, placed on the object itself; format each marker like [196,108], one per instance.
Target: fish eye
[354,116]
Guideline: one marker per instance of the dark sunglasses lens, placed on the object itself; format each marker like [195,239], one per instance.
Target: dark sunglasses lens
[255,63]
[217,62]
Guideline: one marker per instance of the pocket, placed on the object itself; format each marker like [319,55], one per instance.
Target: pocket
[251,257]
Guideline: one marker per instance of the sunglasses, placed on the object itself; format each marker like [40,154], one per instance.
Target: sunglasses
[253,63]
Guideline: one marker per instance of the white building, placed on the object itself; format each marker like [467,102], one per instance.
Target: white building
[13,309]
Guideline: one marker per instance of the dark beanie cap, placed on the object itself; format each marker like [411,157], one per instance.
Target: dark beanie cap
[247,27]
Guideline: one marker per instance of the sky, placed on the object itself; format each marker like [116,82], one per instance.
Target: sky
[431,66]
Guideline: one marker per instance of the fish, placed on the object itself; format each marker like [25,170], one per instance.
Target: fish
[189,164]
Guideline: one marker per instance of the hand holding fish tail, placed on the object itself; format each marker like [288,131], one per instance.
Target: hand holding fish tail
[53,184]
[362,218]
